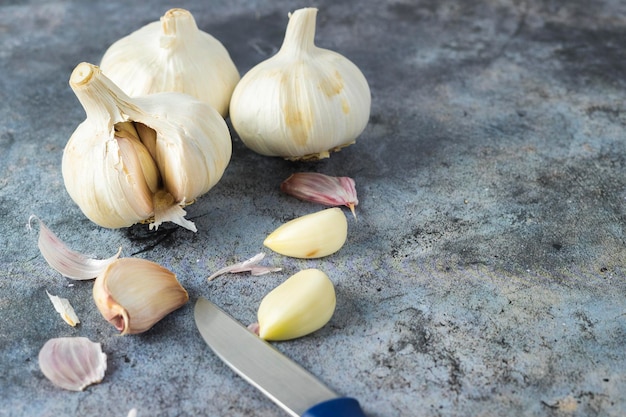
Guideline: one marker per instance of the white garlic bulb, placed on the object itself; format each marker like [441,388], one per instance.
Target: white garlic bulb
[301,305]
[303,102]
[173,55]
[134,159]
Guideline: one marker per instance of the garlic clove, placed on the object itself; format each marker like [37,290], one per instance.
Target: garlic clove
[134,294]
[304,102]
[322,189]
[72,363]
[129,150]
[301,305]
[173,55]
[314,235]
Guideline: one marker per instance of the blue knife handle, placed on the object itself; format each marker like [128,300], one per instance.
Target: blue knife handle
[337,407]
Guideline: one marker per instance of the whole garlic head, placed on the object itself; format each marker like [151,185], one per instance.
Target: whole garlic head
[303,102]
[134,159]
[173,55]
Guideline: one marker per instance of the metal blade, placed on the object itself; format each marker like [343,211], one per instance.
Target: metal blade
[278,377]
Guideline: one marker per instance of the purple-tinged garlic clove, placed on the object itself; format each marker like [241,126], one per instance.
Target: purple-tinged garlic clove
[72,363]
[322,189]
[134,294]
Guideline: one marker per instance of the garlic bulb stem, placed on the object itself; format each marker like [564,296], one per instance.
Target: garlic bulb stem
[176,25]
[300,33]
[98,95]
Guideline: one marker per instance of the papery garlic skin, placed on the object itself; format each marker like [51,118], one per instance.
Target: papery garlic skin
[173,55]
[132,157]
[134,294]
[314,235]
[299,306]
[72,363]
[303,102]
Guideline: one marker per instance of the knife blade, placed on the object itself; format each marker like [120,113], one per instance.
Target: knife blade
[282,380]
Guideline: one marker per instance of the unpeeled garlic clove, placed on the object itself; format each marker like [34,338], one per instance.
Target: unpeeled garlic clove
[173,55]
[301,305]
[72,363]
[311,236]
[134,294]
[322,189]
[304,102]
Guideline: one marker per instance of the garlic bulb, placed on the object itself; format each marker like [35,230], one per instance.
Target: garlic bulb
[173,55]
[303,102]
[139,158]
[301,305]
[72,363]
[134,294]
[311,236]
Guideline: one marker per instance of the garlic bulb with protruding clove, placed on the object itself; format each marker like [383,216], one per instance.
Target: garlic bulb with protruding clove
[301,305]
[173,55]
[314,235]
[303,102]
[72,363]
[134,294]
[141,158]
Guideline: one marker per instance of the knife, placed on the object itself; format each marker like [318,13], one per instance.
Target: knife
[282,380]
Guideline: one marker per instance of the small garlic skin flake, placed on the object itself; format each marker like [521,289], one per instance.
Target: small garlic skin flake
[65,309]
[322,189]
[69,263]
[173,54]
[299,306]
[311,236]
[72,363]
[251,265]
[134,294]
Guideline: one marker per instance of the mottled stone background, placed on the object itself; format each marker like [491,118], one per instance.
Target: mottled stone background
[485,274]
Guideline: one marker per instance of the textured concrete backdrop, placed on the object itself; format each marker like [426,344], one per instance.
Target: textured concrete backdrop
[485,274]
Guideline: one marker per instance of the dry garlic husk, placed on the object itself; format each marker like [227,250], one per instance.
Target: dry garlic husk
[173,55]
[141,158]
[311,236]
[303,102]
[72,363]
[65,309]
[67,262]
[134,294]
[301,305]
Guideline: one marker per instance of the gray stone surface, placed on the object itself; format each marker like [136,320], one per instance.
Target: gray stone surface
[485,273]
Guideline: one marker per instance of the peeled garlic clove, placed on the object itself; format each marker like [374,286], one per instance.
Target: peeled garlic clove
[312,236]
[134,294]
[303,102]
[173,55]
[142,158]
[299,306]
[322,189]
[72,363]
